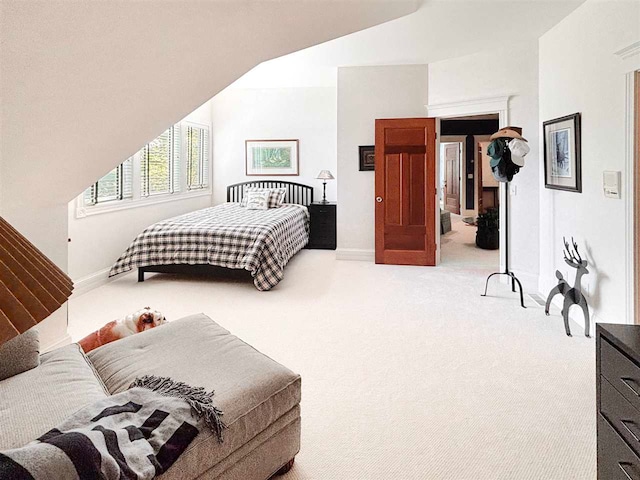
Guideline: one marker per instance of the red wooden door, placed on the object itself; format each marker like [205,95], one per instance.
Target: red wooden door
[406,191]
[452,177]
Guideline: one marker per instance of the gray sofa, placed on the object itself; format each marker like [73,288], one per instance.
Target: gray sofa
[259,397]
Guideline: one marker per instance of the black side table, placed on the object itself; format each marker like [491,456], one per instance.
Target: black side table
[618,400]
[322,233]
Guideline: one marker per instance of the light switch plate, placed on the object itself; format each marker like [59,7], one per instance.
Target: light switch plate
[611,184]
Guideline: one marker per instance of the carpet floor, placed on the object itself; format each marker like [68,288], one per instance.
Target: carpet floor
[459,247]
[408,373]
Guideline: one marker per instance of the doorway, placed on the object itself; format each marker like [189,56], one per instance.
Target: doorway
[451,153]
[405,188]
[478,193]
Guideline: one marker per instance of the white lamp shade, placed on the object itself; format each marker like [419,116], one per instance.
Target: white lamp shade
[325,175]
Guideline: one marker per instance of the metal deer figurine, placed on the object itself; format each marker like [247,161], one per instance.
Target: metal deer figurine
[572,296]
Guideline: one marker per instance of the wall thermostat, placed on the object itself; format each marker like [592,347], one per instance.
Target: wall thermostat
[611,184]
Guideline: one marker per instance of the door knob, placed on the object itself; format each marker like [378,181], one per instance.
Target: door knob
[378,199]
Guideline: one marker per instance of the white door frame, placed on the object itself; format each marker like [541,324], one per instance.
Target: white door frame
[462,140]
[477,106]
[478,160]
[630,57]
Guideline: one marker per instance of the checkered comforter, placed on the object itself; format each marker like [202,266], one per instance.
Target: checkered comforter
[260,241]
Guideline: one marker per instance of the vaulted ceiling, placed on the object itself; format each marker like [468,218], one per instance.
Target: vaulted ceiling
[84,84]
[440,29]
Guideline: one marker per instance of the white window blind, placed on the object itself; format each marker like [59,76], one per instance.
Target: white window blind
[178,161]
[197,152]
[115,185]
[160,164]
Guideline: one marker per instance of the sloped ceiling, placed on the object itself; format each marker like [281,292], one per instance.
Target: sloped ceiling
[443,29]
[439,30]
[86,83]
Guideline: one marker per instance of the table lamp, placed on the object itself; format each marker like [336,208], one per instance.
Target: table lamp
[32,287]
[325,175]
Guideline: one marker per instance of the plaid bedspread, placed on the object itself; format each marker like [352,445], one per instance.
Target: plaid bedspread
[227,235]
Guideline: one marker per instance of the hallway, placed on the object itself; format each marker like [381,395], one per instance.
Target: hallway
[459,247]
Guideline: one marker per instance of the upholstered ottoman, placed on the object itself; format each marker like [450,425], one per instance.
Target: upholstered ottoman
[259,397]
[35,401]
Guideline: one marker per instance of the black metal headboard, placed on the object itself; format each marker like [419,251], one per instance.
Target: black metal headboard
[296,192]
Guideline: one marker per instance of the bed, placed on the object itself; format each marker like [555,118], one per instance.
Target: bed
[227,235]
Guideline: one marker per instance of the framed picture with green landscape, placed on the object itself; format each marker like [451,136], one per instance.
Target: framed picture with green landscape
[271,157]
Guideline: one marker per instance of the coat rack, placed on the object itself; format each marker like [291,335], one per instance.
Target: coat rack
[506,161]
[507,272]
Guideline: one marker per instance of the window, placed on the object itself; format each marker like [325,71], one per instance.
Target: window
[175,163]
[160,164]
[197,153]
[115,185]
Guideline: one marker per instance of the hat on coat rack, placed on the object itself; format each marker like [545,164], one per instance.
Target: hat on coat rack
[507,151]
[495,150]
[519,149]
[509,132]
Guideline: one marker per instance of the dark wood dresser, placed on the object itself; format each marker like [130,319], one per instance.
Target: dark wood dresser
[618,397]
[323,225]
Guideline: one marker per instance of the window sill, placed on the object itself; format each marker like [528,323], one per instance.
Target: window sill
[83,211]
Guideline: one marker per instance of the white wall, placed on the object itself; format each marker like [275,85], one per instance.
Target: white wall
[305,113]
[579,72]
[508,71]
[364,94]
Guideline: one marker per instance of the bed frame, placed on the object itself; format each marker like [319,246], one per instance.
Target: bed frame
[296,193]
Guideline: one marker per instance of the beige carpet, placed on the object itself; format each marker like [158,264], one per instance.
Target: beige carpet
[459,247]
[408,373]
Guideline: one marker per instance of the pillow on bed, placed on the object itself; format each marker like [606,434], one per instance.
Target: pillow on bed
[245,197]
[258,200]
[276,196]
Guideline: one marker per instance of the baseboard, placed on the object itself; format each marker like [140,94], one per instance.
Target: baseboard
[358,254]
[576,316]
[528,280]
[66,340]
[89,282]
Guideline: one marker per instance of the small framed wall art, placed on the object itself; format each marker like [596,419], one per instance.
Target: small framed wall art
[271,157]
[562,155]
[367,158]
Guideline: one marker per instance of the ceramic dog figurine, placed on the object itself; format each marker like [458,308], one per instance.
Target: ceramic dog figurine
[133,323]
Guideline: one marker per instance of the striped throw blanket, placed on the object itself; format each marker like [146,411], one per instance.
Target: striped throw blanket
[136,434]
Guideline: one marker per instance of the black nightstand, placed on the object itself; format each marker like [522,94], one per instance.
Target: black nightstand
[322,225]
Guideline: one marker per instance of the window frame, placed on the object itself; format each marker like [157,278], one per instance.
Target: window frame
[185,143]
[138,200]
[95,188]
[174,187]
